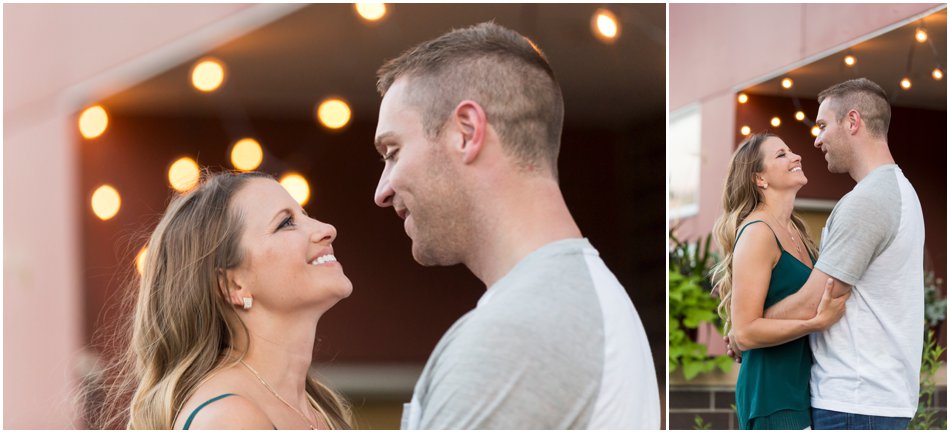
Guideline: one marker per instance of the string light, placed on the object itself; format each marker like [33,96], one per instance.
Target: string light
[776,122]
[207,75]
[605,25]
[905,83]
[815,130]
[937,74]
[921,35]
[106,202]
[183,174]
[371,11]
[93,121]
[799,116]
[334,113]
[246,155]
[743,98]
[849,60]
[787,83]
[297,186]
[745,130]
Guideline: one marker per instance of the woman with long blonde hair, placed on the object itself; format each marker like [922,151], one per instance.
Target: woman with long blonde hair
[767,256]
[222,334]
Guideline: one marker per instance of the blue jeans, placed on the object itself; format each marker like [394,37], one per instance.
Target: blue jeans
[830,420]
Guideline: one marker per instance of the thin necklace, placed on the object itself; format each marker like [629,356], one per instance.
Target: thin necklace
[791,236]
[297,411]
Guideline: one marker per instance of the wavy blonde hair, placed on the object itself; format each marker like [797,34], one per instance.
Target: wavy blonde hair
[741,196]
[179,331]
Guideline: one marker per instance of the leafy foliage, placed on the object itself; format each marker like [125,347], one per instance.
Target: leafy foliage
[700,424]
[691,304]
[935,306]
[926,416]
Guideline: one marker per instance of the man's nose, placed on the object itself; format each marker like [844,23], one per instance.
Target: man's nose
[384,192]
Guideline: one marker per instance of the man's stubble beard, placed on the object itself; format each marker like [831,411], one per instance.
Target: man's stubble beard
[444,221]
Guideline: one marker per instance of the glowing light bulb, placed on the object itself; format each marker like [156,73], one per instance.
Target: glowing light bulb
[207,75]
[371,11]
[183,174]
[743,98]
[815,130]
[140,260]
[605,25]
[745,130]
[106,202]
[334,113]
[921,35]
[937,74]
[799,116]
[93,121]
[297,186]
[850,60]
[776,122]
[787,83]
[246,155]
[905,83]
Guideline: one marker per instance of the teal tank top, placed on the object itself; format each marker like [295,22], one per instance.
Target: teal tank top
[775,379]
[195,412]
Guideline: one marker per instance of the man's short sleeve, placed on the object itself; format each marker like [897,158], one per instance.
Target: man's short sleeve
[507,376]
[861,226]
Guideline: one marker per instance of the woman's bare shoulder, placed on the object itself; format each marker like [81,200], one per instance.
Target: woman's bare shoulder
[234,412]
[755,238]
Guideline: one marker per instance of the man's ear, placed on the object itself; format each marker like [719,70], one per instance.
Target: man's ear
[230,289]
[470,120]
[854,121]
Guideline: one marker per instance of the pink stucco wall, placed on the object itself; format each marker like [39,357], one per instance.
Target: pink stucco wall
[715,47]
[47,50]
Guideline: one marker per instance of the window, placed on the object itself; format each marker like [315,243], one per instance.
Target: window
[684,159]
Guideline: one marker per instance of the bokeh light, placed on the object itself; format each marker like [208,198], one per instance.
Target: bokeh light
[207,75]
[776,122]
[247,155]
[140,260]
[93,121]
[605,25]
[297,186]
[334,113]
[743,98]
[745,130]
[183,174]
[106,202]
[371,11]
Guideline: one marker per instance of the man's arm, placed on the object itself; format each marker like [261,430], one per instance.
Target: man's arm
[803,304]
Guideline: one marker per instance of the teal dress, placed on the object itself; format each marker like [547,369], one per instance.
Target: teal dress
[772,389]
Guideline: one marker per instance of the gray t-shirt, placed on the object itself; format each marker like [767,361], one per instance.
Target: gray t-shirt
[554,344]
[869,362]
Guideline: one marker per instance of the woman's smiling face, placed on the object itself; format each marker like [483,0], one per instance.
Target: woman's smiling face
[288,261]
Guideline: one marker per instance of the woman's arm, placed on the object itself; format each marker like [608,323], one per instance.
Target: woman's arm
[755,255]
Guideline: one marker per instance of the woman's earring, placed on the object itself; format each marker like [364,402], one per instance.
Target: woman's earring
[248,302]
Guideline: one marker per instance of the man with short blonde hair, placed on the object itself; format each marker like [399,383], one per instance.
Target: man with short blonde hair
[469,129]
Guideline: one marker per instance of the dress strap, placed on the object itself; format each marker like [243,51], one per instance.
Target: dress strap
[767,225]
[195,412]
